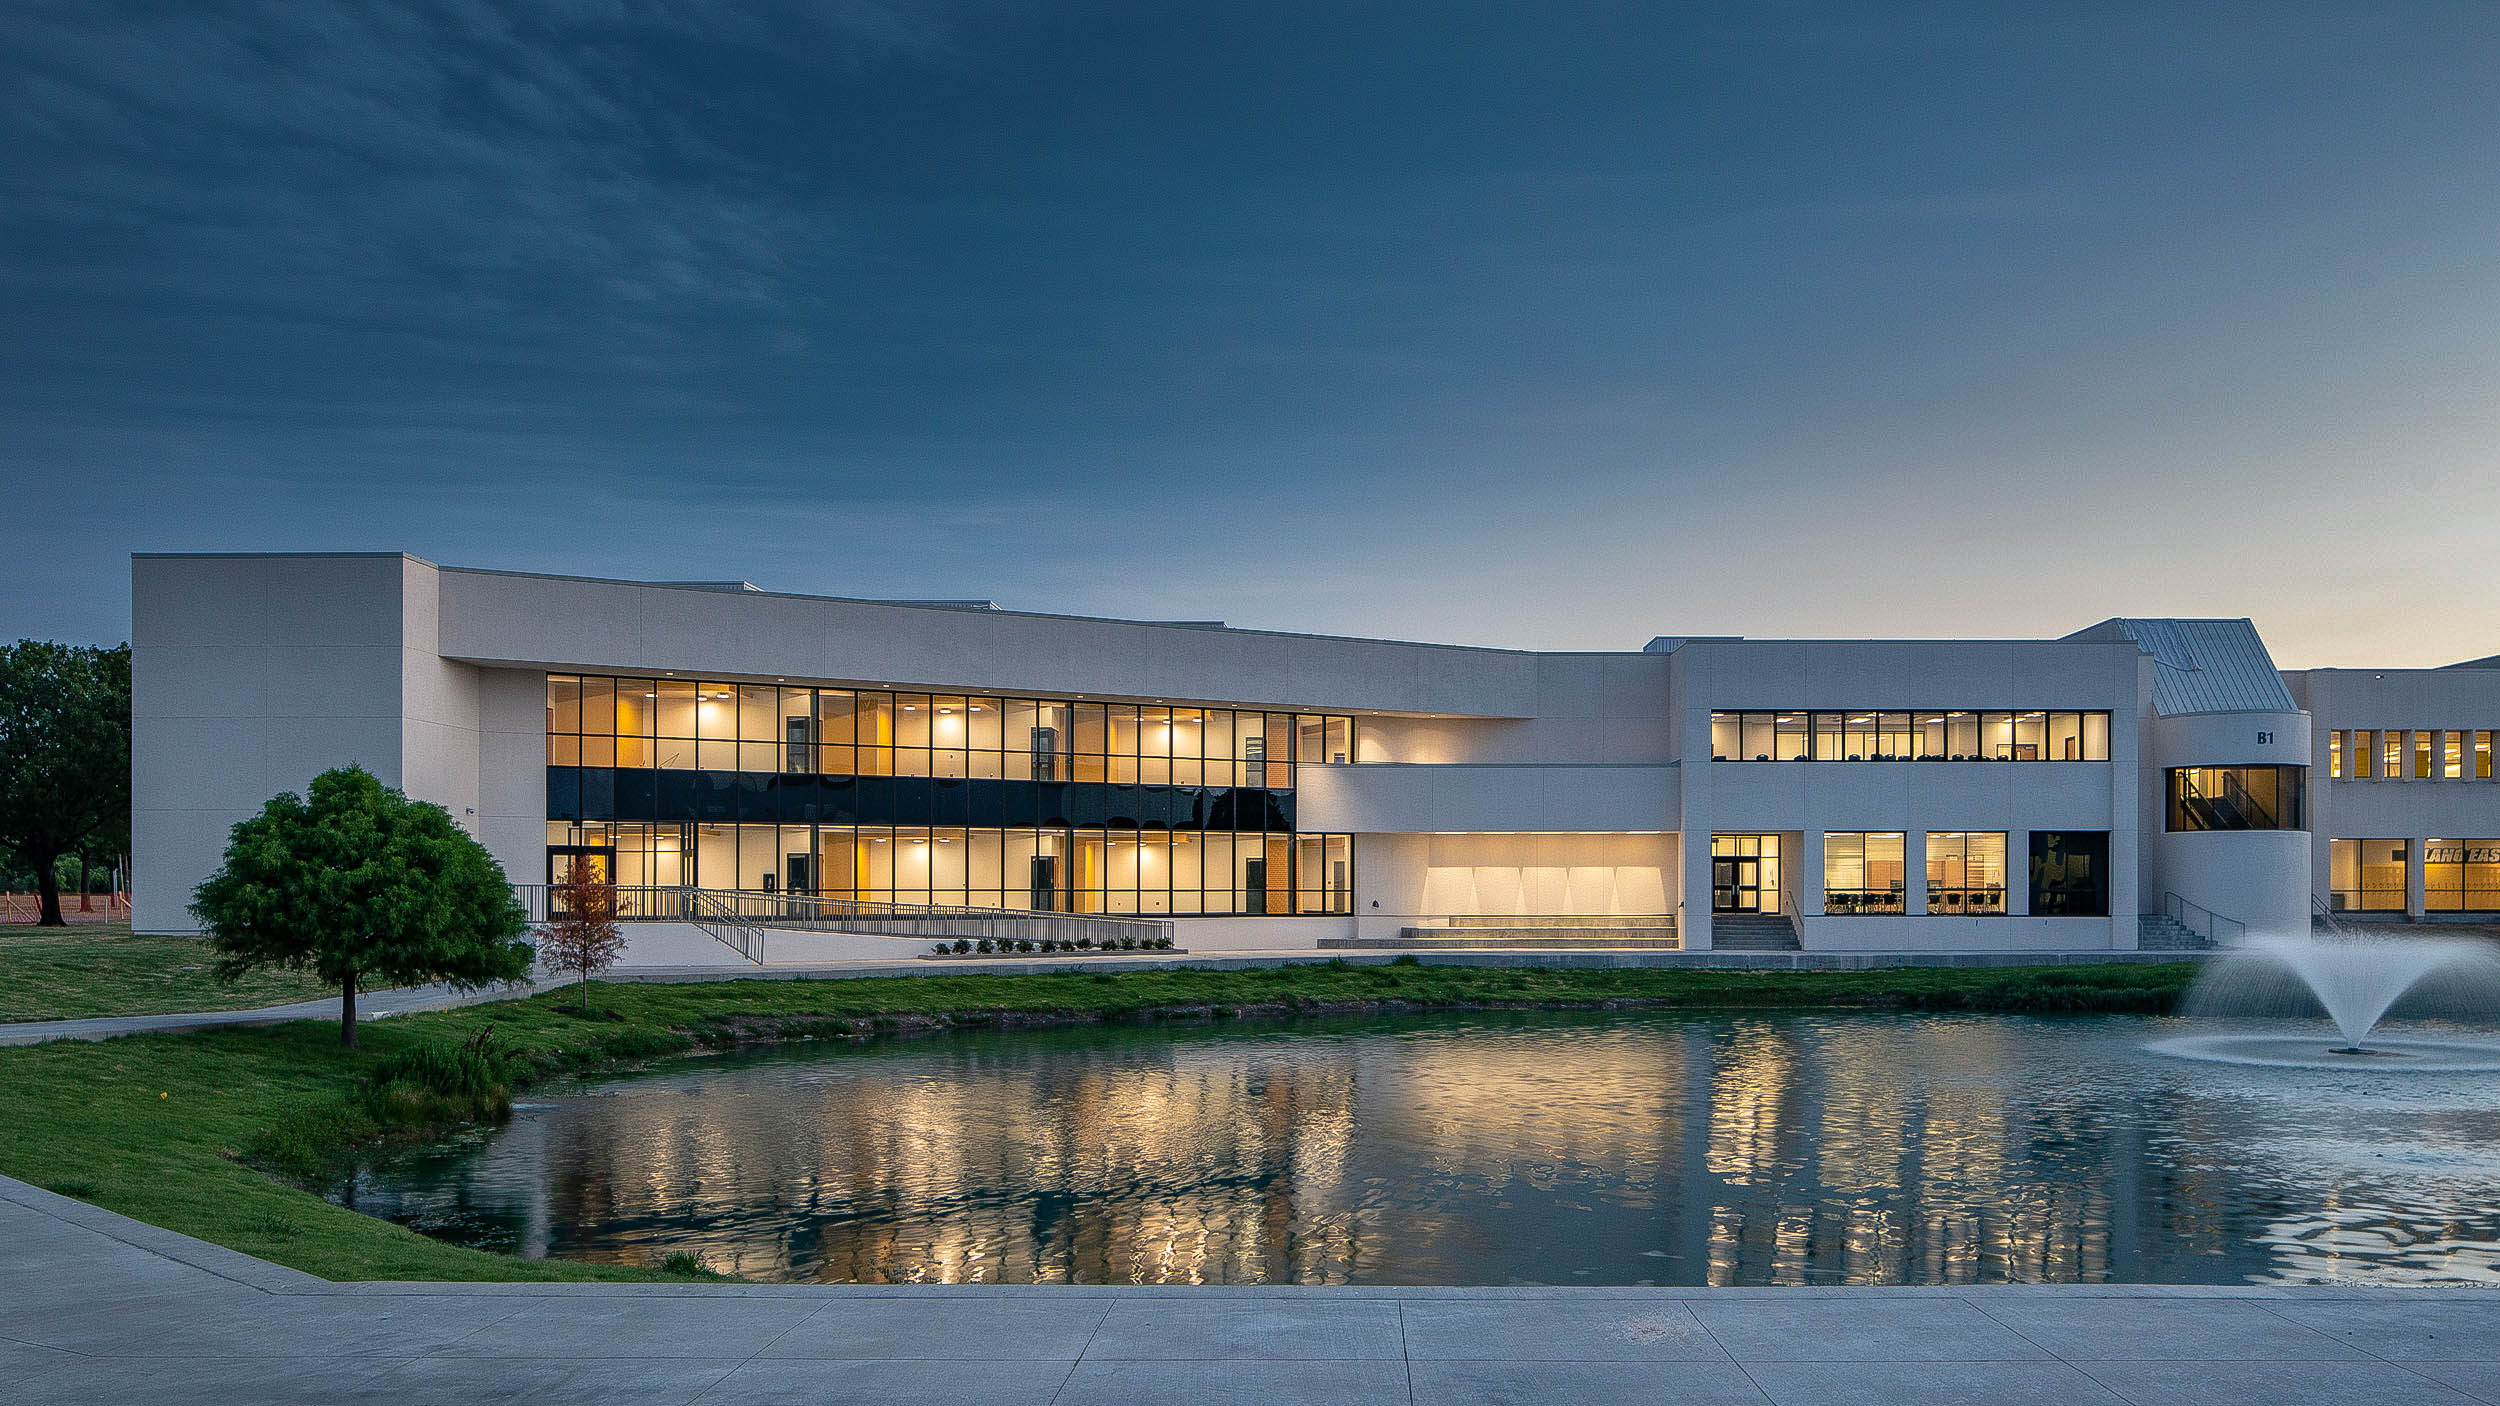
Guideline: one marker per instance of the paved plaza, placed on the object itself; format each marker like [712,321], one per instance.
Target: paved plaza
[98,1308]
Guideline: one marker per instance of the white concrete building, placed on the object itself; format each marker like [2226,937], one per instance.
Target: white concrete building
[1263,790]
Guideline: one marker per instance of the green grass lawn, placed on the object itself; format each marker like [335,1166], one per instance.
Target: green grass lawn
[100,969]
[171,1129]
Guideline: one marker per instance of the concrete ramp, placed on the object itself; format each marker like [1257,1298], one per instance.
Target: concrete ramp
[683,945]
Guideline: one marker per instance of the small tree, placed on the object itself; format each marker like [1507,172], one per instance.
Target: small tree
[360,885]
[64,755]
[583,935]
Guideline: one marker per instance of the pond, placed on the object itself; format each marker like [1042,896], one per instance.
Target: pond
[1501,1149]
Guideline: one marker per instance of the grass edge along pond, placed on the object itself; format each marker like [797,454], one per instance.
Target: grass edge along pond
[224,1134]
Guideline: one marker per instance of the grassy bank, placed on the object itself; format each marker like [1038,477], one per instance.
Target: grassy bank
[100,969]
[201,1133]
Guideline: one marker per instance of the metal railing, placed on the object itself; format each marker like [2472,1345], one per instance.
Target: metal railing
[2204,922]
[2320,911]
[725,924]
[939,920]
[637,903]
[740,916]
[634,903]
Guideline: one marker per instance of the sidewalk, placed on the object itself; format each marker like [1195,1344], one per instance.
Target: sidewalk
[95,1308]
[370,1005]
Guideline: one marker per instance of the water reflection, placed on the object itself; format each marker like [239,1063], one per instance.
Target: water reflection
[1550,1149]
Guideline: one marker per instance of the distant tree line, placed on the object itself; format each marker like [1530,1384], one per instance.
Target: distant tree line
[64,765]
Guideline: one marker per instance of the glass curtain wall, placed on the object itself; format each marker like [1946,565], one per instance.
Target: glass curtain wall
[758,728]
[1203,835]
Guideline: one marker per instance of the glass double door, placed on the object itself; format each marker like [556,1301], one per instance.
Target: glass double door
[1735,884]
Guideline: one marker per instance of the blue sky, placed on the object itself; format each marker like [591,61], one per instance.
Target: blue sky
[1548,326]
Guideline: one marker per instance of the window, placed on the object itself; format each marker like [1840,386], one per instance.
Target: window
[1789,742]
[2070,873]
[2391,753]
[2482,756]
[2367,876]
[1864,872]
[2421,756]
[2237,798]
[2364,754]
[2452,755]
[880,795]
[2461,876]
[1965,872]
[1934,735]
[2335,755]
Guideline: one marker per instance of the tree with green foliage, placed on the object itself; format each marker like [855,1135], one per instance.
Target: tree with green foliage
[64,755]
[362,886]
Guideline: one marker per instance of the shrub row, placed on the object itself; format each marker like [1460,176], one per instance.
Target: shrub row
[964,946]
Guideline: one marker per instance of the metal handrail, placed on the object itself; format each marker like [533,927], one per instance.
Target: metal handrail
[725,924]
[2182,912]
[2320,911]
[754,911]
[943,920]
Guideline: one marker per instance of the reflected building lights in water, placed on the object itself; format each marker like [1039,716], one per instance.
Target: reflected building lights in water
[1552,1149]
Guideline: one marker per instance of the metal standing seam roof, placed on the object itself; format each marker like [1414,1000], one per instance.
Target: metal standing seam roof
[2204,666]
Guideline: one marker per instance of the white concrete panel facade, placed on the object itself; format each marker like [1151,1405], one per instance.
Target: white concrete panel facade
[1482,782]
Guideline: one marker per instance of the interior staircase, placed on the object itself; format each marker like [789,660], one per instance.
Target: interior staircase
[1752,932]
[1656,934]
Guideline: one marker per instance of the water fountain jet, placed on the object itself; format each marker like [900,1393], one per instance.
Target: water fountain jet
[2356,981]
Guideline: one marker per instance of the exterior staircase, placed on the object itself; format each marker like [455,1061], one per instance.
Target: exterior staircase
[2158,932]
[1656,934]
[1752,932]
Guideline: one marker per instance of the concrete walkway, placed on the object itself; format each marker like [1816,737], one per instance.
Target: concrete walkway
[370,1005]
[97,1308]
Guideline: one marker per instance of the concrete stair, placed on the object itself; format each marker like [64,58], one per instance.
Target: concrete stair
[1752,932]
[1656,934]
[2158,932]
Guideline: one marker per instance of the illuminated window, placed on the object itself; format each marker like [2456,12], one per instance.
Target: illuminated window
[2237,797]
[2421,756]
[2367,876]
[1931,735]
[877,795]
[2452,756]
[2391,754]
[2461,876]
[2482,756]
[2335,755]
[1864,872]
[1966,872]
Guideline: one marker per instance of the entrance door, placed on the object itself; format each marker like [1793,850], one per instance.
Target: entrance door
[598,864]
[1735,885]
[1044,885]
